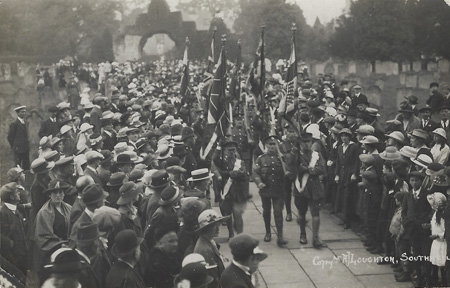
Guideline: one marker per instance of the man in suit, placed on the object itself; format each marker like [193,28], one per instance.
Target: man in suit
[407,118]
[444,113]
[13,241]
[93,197]
[426,123]
[108,135]
[246,258]
[436,99]
[358,97]
[50,126]
[93,159]
[18,139]
[127,250]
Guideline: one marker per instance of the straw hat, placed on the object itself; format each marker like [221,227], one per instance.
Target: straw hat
[208,218]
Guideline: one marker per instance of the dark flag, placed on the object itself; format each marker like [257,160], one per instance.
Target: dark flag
[257,74]
[185,91]
[209,73]
[217,111]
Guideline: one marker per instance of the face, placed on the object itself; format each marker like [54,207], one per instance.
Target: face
[359,121]
[425,114]
[133,136]
[271,145]
[60,147]
[230,151]
[169,243]
[415,142]
[306,145]
[126,168]
[57,196]
[361,107]
[238,122]
[351,120]
[22,113]
[415,182]
[444,113]
[391,142]
[345,138]
[437,139]
[253,263]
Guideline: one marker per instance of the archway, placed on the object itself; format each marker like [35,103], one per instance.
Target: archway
[157,44]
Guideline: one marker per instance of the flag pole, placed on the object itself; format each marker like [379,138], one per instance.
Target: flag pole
[263,70]
[187,63]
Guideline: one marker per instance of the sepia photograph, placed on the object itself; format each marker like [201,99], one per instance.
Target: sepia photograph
[224,143]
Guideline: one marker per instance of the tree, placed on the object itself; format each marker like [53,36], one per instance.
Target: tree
[277,16]
[375,30]
[317,41]
[102,48]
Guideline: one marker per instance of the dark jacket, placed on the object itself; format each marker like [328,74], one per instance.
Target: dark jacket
[123,275]
[212,256]
[94,175]
[13,240]
[416,212]
[18,137]
[48,127]
[161,269]
[235,277]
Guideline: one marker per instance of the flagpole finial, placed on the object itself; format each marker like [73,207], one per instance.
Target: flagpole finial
[224,39]
[187,40]
[294,27]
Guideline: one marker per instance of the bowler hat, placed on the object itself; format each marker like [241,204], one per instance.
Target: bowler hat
[65,260]
[124,159]
[406,108]
[425,108]
[180,151]
[196,274]
[244,245]
[160,179]
[125,242]
[128,193]
[93,193]
[412,99]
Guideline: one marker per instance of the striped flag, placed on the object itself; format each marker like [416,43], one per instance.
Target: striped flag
[217,114]
[185,91]
[286,106]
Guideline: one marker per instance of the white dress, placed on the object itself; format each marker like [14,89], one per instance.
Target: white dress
[438,253]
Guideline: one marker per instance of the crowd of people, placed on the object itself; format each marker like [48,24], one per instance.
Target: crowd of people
[123,193]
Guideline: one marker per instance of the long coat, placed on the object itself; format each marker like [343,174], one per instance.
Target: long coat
[13,240]
[235,277]
[212,256]
[161,269]
[18,137]
[123,275]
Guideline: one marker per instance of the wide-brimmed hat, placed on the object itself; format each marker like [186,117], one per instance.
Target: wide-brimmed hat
[93,193]
[160,179]
[64,129]
[390,153]
[122,147]
[200,174]
[164,151]
[195,274]
[87,232]
[55,140]
[422,160]
[196,258]
[397,136]
[441,132]
[369,139]
[440,179]
[169,196]
[244,245]
[14,173]
[128,193]
[346,131]
[65,260]
[55,185]
[208,218]
[125,242]
[419,133]
[85,127]
[373,112]
[40,165]
[408,152]
[433,168]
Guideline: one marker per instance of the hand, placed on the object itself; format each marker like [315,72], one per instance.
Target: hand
[336,179]
[329,163]
[426,225]
[219,178]
[27,205]
[432,237]
[353,178]
[261,185]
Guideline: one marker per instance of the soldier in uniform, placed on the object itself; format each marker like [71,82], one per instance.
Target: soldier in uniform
[268,173]
[244,141]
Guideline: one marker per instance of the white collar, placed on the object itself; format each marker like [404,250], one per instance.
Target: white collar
[21,120]
[11,207]
[84,256]
[121,260]
[242,267]
[89,213]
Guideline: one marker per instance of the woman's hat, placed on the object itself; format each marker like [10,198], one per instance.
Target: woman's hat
[14,173]
[164,151]
[160,179]
[54,141]
[122,147]
[65,260]
[40,165]
[346,131]
[200,174]
[368,159]
[196,258]
[422,160]
[170,195]
[408,152]
[369,139]
[440,179]
[397,136]
[128,193]
[125,242]
[244,245]
[136,175]
[55,185]
[441,132]
[64,129]
[419,133]
[390,153]
[85,127]
[209,217]
[433,168]
[196,274]
[87,232]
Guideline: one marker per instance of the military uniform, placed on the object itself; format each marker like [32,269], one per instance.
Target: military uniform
[268,170]
[244,148]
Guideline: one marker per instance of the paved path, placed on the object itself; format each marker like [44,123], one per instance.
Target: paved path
[302,265]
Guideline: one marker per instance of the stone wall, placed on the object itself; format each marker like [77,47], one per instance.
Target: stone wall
[388,86]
